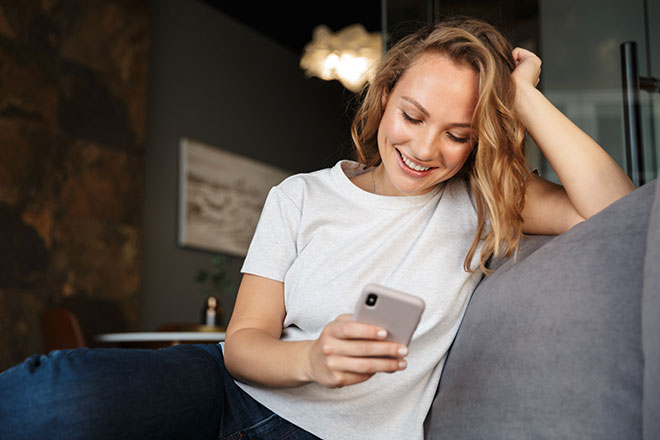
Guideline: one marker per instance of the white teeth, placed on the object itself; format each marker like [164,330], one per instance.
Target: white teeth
[412,165]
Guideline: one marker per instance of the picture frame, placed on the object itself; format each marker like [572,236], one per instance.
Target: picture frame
[221,195]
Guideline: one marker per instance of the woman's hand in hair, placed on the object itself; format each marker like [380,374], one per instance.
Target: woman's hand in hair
[528,67]
[349,352]
[590,178]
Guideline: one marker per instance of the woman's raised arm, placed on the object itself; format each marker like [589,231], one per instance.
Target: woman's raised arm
[591,179]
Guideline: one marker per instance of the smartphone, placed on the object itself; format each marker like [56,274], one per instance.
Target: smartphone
[397,312]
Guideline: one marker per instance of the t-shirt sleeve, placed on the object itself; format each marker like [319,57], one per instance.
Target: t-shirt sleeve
[273,248]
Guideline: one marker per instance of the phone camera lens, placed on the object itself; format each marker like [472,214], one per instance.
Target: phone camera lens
[371,299]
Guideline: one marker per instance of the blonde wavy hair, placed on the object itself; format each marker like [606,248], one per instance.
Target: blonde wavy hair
[496,170]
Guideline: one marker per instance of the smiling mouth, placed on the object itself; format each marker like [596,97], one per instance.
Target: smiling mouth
[410,164]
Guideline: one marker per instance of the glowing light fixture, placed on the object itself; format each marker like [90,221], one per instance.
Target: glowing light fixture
[350,55]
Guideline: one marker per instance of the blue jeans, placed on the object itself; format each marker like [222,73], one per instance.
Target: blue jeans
[181,392]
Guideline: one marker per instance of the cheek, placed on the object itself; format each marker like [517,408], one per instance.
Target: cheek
[459,155]
[393,130]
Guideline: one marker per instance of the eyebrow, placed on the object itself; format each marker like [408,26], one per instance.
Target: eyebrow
[425,112]
[417,104]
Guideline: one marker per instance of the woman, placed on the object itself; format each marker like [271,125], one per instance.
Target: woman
[440,185]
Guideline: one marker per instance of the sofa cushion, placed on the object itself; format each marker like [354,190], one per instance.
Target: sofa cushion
[528,245]
[550,347]
[651,324]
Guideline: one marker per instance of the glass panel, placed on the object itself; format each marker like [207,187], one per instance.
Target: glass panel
[653,27]
[580,47]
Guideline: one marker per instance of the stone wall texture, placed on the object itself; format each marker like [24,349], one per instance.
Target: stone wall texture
[73,81]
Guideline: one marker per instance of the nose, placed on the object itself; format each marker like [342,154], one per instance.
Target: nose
[427,148]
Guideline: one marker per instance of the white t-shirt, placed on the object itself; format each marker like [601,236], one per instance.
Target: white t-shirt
[325,238]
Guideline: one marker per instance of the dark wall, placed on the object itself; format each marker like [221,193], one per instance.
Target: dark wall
[214,80]
[89,141]
[72,130]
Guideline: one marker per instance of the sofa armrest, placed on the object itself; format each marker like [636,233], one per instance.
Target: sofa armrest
[550,347]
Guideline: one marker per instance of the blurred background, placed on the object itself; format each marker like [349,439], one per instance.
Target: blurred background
[95,98]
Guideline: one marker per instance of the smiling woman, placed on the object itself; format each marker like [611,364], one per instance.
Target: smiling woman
[440,184]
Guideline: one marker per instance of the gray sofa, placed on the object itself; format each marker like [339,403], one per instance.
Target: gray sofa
[565,343]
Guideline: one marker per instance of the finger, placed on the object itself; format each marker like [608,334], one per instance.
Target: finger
[365,365]
[343,378]
[362,348]
[517,54]
[356,330]
[344,317]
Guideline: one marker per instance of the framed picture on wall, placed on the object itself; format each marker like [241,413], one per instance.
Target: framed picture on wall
[221,195]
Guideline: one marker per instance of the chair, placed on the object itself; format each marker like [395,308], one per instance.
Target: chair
[60,330]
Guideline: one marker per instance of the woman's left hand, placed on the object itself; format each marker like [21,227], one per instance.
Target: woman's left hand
[528,67]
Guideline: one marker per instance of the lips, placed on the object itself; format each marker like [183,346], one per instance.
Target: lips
[412,168]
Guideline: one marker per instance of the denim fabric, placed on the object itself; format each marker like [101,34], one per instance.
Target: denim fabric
[181,392]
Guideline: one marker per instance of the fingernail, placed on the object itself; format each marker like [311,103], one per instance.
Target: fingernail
[403,351]
[402,364]
[382,333]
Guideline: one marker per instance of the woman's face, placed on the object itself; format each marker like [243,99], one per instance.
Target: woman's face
[425,135]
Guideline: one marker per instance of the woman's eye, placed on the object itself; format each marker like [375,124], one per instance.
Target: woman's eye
[408,118]
[458,139]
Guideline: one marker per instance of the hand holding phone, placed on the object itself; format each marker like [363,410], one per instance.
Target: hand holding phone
[398,312]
